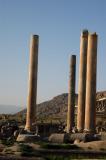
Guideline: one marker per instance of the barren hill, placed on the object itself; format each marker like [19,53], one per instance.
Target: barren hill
[56,108]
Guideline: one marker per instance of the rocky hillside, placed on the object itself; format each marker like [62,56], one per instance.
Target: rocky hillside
[56,109]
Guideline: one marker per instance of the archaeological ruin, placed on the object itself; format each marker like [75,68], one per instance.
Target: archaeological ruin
[87,85]
[86,114]
[90,108]
[70,123]
[32,89]
[71,95]
[82,81]
[81,119]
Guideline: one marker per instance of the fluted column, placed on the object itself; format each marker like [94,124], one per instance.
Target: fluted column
[82,80]
[32,90]
[71,95]
[90,110]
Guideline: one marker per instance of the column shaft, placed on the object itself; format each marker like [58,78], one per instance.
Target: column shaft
[82,81]
[90,110]
[32,90]
[71,95]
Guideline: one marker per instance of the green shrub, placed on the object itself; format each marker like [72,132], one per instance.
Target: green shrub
[58,146]
[7,142]
[74,156]
[26,150]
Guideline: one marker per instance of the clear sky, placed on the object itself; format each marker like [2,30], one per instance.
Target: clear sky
[58,24]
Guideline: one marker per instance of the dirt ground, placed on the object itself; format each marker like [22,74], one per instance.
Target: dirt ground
[94,145]
[14,152]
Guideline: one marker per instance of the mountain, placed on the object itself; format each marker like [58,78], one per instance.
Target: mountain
[56,108]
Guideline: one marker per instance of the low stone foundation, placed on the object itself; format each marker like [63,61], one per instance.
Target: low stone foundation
[70,138]
[58,138]
[27,138]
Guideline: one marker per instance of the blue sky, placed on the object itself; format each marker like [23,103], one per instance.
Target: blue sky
[58,24]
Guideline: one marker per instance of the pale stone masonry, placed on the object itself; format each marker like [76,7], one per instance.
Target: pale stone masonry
[71,94]
[90,110]
[82,80]
[32,88]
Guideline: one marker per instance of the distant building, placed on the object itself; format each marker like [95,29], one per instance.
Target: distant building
[100,110]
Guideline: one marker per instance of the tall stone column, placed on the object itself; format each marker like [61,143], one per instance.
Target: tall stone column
[71,95]
[32,90]
[90,110]
[82,81]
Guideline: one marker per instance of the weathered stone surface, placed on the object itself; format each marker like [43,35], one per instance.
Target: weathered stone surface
[16,133]
[32,91]
[90,111]
[85,137]
[103,136]
[82,81]
[76,141]
[64,138]
[27,138]
[58,138]
[71,95]
[94,146]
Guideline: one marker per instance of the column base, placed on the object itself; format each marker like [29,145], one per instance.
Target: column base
[28,128]
[89,131]
[80,130]
[69,131]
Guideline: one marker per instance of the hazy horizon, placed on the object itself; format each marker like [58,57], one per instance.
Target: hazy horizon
[59,25]
[10,109]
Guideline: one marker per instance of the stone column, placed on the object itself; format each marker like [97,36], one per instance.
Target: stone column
[71,95]
[32,90]
[82,81]
[90,110]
